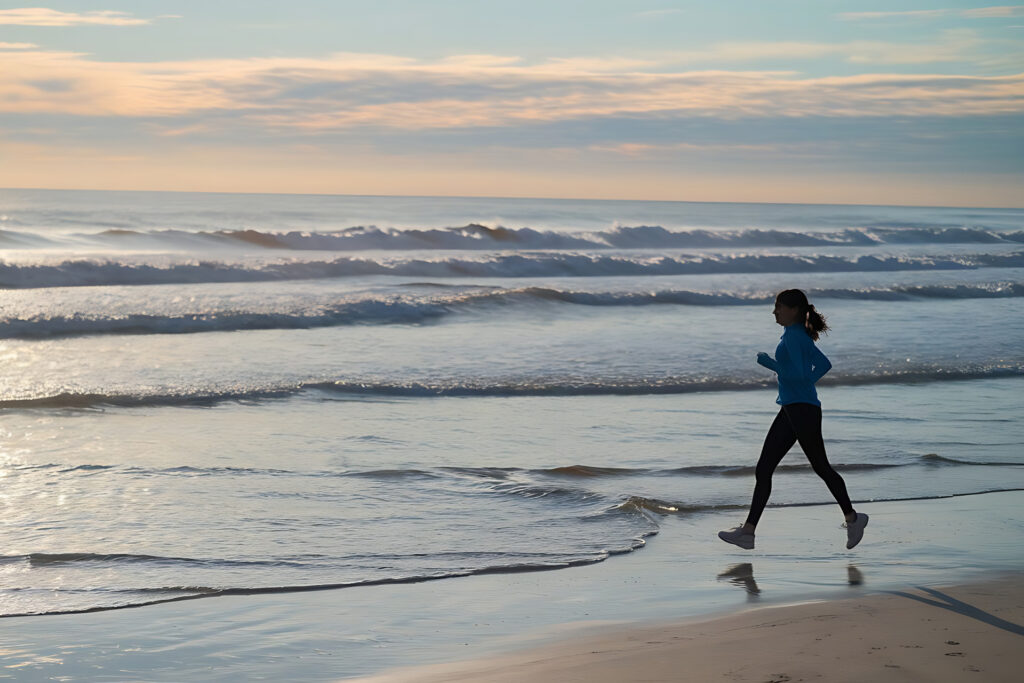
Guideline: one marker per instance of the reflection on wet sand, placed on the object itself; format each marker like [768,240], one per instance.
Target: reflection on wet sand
[742,575]
[854,576]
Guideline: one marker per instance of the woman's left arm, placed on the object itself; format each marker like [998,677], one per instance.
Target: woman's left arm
[820,363]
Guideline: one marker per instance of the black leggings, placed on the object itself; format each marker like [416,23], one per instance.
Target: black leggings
[795,422]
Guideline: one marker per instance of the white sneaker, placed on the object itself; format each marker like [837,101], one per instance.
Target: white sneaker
[855,530]
[738,537]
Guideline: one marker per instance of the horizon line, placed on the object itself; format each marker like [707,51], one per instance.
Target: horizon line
[456,196]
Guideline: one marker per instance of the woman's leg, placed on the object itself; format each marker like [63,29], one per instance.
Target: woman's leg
[779,440]
[805,420]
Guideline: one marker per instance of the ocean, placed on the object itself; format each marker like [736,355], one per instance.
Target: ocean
[226,394]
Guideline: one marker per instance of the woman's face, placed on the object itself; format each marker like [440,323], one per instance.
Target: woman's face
[784,315]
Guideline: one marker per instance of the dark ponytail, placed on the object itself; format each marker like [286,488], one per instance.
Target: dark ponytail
[814,322]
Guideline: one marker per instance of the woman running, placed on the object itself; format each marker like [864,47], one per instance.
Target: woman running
[799,364]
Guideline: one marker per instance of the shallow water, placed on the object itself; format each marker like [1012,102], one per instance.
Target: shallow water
[184,418]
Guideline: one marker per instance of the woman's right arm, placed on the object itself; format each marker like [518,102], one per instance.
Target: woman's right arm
[767,361]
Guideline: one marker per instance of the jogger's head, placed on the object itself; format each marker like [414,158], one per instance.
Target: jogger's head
[791,306]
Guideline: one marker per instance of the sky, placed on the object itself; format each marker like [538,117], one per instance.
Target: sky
[810,101]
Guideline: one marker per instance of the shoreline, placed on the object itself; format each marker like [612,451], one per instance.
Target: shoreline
[961,632]
[854,575]
[496,571]
[683,574]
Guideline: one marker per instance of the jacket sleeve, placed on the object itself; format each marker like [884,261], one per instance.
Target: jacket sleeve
[820,364]
[767,361]
[803,361]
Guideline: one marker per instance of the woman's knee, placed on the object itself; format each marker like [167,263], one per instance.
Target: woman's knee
[826,471]
[763,473]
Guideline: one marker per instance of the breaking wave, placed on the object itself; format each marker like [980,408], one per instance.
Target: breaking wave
[526,387]
[407,310]
[476,236]
[85,272]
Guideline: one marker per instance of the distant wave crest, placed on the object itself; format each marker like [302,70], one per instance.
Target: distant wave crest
[84,272]
[475,236]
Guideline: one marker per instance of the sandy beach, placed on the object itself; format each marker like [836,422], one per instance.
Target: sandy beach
[959,633]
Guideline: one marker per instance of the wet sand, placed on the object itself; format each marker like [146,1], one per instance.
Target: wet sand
[961,633]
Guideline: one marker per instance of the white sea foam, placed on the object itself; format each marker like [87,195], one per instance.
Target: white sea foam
[408,309]
[538,386]
[86,272]
[475,237]
[480,237]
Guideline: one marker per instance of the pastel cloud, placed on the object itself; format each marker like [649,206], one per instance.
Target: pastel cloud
[42,16]
[349,90]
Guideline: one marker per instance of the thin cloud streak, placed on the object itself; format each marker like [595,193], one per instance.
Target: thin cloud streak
[994,12]
[953,45]
[911,14]
[41,16]
[646,150]
[976,13]
[654,13]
